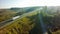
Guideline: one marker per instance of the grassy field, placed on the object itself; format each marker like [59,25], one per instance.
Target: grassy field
[6,14]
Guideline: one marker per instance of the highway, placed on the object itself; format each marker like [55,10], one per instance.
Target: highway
[10,21]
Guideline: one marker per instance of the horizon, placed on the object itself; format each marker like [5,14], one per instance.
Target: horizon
[27,3]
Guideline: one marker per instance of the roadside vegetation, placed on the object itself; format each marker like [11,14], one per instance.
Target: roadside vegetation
[30,24]
[21,26]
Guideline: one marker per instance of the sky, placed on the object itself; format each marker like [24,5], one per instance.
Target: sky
[28,3]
